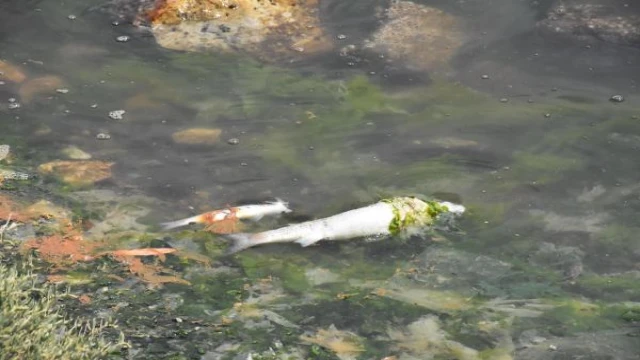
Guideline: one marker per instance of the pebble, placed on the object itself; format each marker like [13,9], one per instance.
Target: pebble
[233,141]
[341,37]
[2,82]
[115,23]
[14,105]
[12,100]
[485,77]
[116,114]
[62,91]
[122,38]
[103,136]
[71,17]
[504,100]
[178,320]
[93,106]
[553,347]
[617,98]
[547,115]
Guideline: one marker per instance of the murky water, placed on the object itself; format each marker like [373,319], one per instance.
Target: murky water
[518,126]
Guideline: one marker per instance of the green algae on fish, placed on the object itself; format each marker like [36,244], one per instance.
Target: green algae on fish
[410,212]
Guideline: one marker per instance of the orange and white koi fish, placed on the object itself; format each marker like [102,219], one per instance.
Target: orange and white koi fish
[251,212]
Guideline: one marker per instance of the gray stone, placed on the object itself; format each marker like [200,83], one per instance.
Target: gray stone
[612,21]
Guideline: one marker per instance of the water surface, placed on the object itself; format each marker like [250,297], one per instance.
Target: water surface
[536,150]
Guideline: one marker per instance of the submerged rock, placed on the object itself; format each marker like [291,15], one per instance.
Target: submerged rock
[419,36]
[346,345]
[75,153]
[45,85]
[425,339]
[83,172]
[616,344]
[11,72]
[410,34]
[197,136]
[269,29]
[612,21]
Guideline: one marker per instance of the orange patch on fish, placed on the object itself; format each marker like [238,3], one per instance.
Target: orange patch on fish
[226,226]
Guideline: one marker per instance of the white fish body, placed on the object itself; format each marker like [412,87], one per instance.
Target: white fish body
[257,212]
[252,212]
[369,221]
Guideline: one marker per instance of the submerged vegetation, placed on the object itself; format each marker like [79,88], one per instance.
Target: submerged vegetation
[545,257]
[32,326]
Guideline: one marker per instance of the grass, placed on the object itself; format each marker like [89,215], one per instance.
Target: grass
[32,327]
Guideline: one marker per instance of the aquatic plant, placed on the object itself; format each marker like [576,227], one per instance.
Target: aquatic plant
[31,326]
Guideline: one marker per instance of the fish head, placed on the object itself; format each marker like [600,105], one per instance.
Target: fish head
[281,205]
[455,209]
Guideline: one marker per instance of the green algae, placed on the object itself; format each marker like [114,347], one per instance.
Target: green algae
[220,291]
[575,316]
[624,286]
[291,271]
[542,168]
[411,212]
[618,240]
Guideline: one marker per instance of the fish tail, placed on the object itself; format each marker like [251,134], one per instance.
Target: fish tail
[240,241]
[179,223]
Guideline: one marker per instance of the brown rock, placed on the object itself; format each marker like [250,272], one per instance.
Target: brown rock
[11,72]
[85,172]
[267,28]
[612,21]
[422,37]
[197,136]
[42,85]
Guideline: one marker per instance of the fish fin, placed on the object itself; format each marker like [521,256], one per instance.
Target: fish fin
[179,223]
[285,204]
[241,241]
[309,240]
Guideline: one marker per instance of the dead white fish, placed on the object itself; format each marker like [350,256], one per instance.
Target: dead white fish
[387,217]
[233,214]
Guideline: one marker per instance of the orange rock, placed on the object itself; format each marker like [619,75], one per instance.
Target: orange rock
[83,172]
[84,299]
[62,250]
[197,136]
[9,210]
[11,72]
[269,29]
[141,101]
[42,85]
